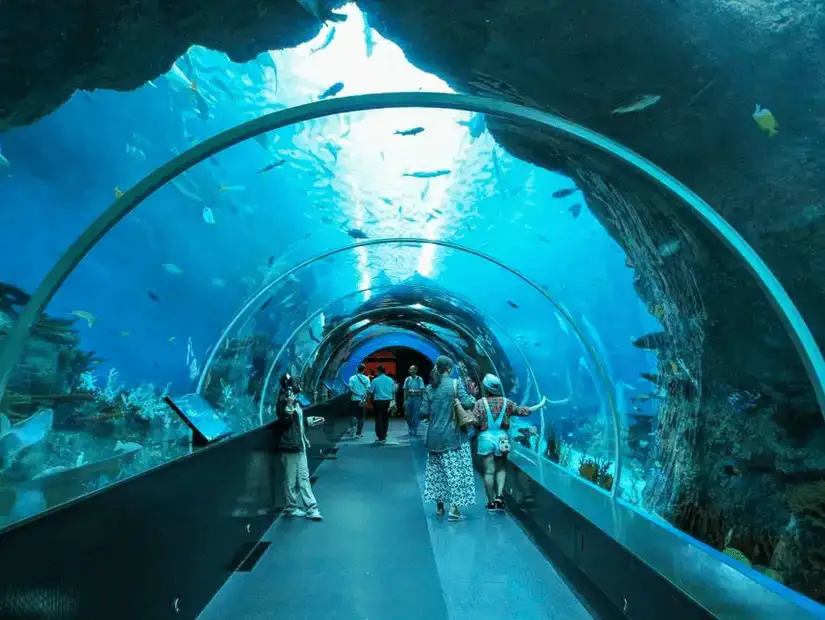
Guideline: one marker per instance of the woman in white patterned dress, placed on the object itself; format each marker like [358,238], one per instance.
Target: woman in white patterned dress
[449,478]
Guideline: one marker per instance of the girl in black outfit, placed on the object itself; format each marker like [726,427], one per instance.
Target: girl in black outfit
[292,445]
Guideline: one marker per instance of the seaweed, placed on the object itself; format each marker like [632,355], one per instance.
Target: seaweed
[720,530]
[596,470]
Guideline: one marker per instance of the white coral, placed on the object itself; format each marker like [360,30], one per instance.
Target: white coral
[146,400]
[113,386]
[87,382]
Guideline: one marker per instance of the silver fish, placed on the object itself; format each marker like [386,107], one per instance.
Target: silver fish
[427,175]
[645,101]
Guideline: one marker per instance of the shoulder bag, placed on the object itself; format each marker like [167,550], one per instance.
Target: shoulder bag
[463,418]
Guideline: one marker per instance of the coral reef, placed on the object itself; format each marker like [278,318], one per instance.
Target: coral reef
[51,363]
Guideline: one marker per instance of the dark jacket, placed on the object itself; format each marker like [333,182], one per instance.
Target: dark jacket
[288,431]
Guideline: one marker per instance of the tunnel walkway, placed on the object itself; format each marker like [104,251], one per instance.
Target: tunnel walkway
[381,553]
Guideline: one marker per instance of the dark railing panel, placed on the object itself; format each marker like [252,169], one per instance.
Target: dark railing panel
[159,545]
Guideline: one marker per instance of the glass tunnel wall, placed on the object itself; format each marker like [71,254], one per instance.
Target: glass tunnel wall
[718,443]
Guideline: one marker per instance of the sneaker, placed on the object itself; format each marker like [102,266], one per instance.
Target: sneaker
[380,442]
[314,514]
[491,506]
[295,512]
[359,436]
[499,503]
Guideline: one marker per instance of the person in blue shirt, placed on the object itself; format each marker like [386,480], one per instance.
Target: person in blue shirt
[359,384]
[413,393]
[382,389]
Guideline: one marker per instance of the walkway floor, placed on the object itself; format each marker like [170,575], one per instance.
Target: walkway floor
[381,554]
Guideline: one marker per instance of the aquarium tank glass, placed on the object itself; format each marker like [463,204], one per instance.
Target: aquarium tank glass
[179,241]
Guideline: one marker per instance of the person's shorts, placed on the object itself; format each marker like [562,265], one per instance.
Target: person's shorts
[488,443]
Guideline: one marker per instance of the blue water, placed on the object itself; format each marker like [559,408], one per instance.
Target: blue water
[340,174]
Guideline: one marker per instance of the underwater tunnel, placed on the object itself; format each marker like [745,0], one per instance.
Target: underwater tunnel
[675,469]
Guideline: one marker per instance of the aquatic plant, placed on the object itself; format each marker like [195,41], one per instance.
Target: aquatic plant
[808,501]
[596,470]
[557,449]
[722,531]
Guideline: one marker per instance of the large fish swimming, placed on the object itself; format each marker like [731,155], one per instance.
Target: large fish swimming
[327,40]
[476,125]
[428,175]
[332,90]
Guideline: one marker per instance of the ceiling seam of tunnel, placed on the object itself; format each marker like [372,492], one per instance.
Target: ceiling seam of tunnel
[315,314]
[461,330]
[356,318]
[498,324]
[795,324]
[300,327]
[529,366]
[404,329]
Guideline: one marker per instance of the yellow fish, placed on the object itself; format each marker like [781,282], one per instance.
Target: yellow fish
[172,339]
[125,333]
[118,193]
[658,311]
[86,316]
[766,121]
[674,367]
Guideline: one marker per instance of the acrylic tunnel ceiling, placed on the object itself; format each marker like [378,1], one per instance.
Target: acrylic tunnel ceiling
[528,250]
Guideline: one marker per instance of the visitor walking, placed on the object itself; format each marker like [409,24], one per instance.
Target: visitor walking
[449,477]
[359,384]
[382,391]
[413,394]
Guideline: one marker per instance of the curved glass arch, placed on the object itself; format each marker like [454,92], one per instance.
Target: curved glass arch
[364,335]
[367,315]
[360,316]
[258,298]
[672,376]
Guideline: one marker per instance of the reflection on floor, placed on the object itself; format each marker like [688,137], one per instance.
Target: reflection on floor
[380,553]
